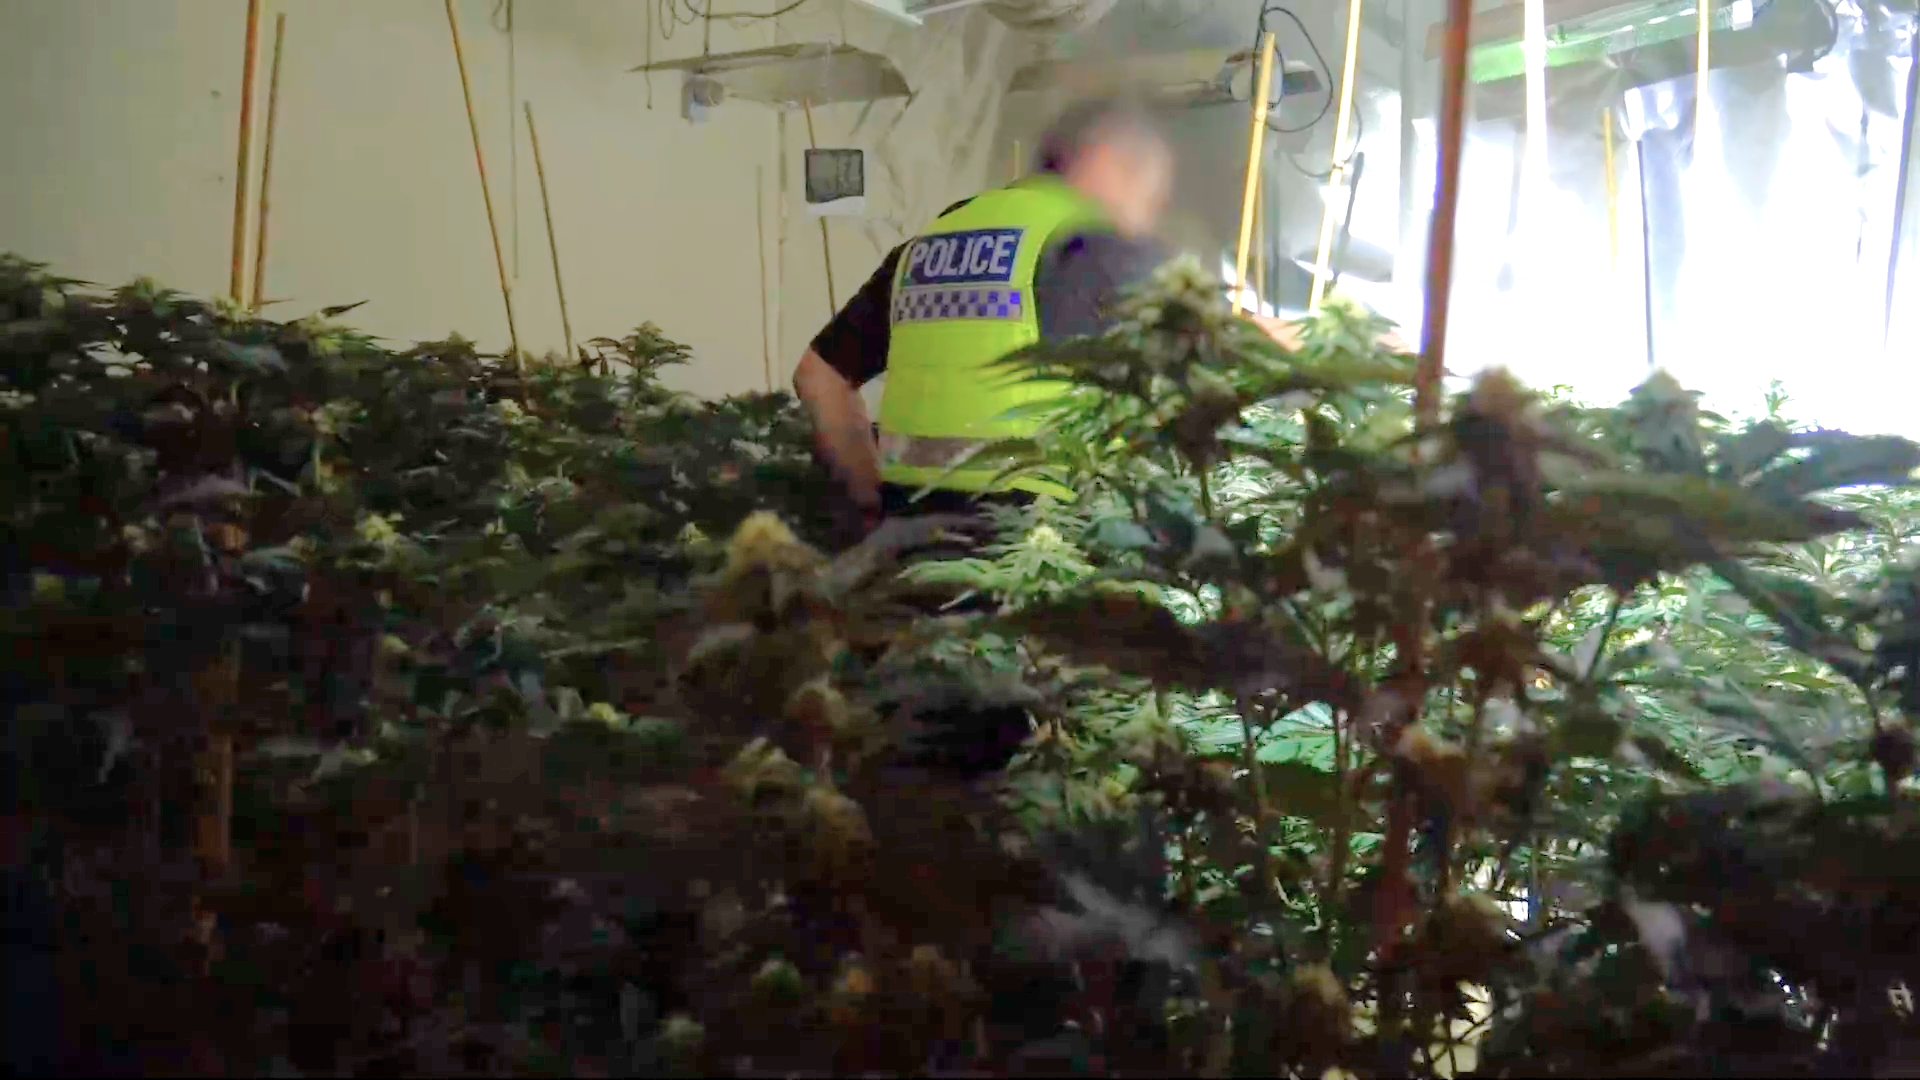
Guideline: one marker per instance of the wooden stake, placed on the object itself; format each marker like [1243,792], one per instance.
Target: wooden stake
[223,804]
[1446,207]
[236,285]
[266,163]
[553,242]
[480,163]
[826,250]
[1256,143]
[1337,167]
[214,691]
[760,234]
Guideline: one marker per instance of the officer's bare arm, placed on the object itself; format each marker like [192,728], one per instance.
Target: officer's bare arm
[842,431]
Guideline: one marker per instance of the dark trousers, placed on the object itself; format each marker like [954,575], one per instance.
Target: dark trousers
[897,500]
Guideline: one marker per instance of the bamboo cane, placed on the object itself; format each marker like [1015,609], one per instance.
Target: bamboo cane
[213,694]
[1337,166]
[1446,207]
[237,281]
[1260,249]
[486,196]
[553,242]
[760,236]
[1705,7]
[783,193]
[826,250]
[266,163]
[1613,190]
[213,764]
[1256,142]
[1394,897]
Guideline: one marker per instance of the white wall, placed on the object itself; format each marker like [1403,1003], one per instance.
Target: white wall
[121,135]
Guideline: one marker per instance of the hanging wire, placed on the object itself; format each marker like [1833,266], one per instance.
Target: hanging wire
[672,15]
[681,13]
[1359,132]
[1326,70]
[1326,104]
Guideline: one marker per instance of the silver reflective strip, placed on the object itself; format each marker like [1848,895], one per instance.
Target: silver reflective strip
[925,304]
[922,452]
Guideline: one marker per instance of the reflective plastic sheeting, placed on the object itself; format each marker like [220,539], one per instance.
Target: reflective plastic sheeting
[1753,247]
[1773,226]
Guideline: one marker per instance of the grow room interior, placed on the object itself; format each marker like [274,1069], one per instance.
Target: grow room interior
[534,701]
[1606,221]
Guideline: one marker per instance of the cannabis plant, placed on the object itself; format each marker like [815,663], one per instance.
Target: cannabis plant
[411,712]
[1401,848]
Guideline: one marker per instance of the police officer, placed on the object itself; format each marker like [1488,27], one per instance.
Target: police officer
[1040,259]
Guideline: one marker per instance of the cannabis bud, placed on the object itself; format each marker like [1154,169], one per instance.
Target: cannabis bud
[852,994]
[1319,1017]
[842,838]
[1893,751]
[767,568]
[762,768]
[778,982]
[1465,937]
[1439,769]
[764,542]
[681,1040]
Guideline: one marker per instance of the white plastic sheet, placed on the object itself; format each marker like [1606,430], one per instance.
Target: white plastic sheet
[1749,243]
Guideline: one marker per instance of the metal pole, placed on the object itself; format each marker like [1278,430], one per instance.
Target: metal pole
[1646,245]
[1901,197]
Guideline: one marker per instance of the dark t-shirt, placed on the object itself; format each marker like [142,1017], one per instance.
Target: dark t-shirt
[1075,284]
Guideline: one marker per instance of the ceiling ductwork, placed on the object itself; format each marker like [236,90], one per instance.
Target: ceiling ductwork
[825,73]
[1189,77]
[1050,16]
[1034,16]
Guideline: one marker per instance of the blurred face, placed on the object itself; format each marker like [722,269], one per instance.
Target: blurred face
[1131,177]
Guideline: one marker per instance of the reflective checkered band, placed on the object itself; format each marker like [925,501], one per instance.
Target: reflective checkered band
[922,305]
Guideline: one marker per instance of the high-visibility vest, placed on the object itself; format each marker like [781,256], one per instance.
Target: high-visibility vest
[962,300]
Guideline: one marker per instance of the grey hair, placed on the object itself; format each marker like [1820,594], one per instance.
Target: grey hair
[1094,122]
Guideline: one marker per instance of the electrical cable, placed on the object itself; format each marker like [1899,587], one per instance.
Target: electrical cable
[1326,104]
[696,14]
[674,14]
[1334,260]
[1353,157]
[1359,131]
